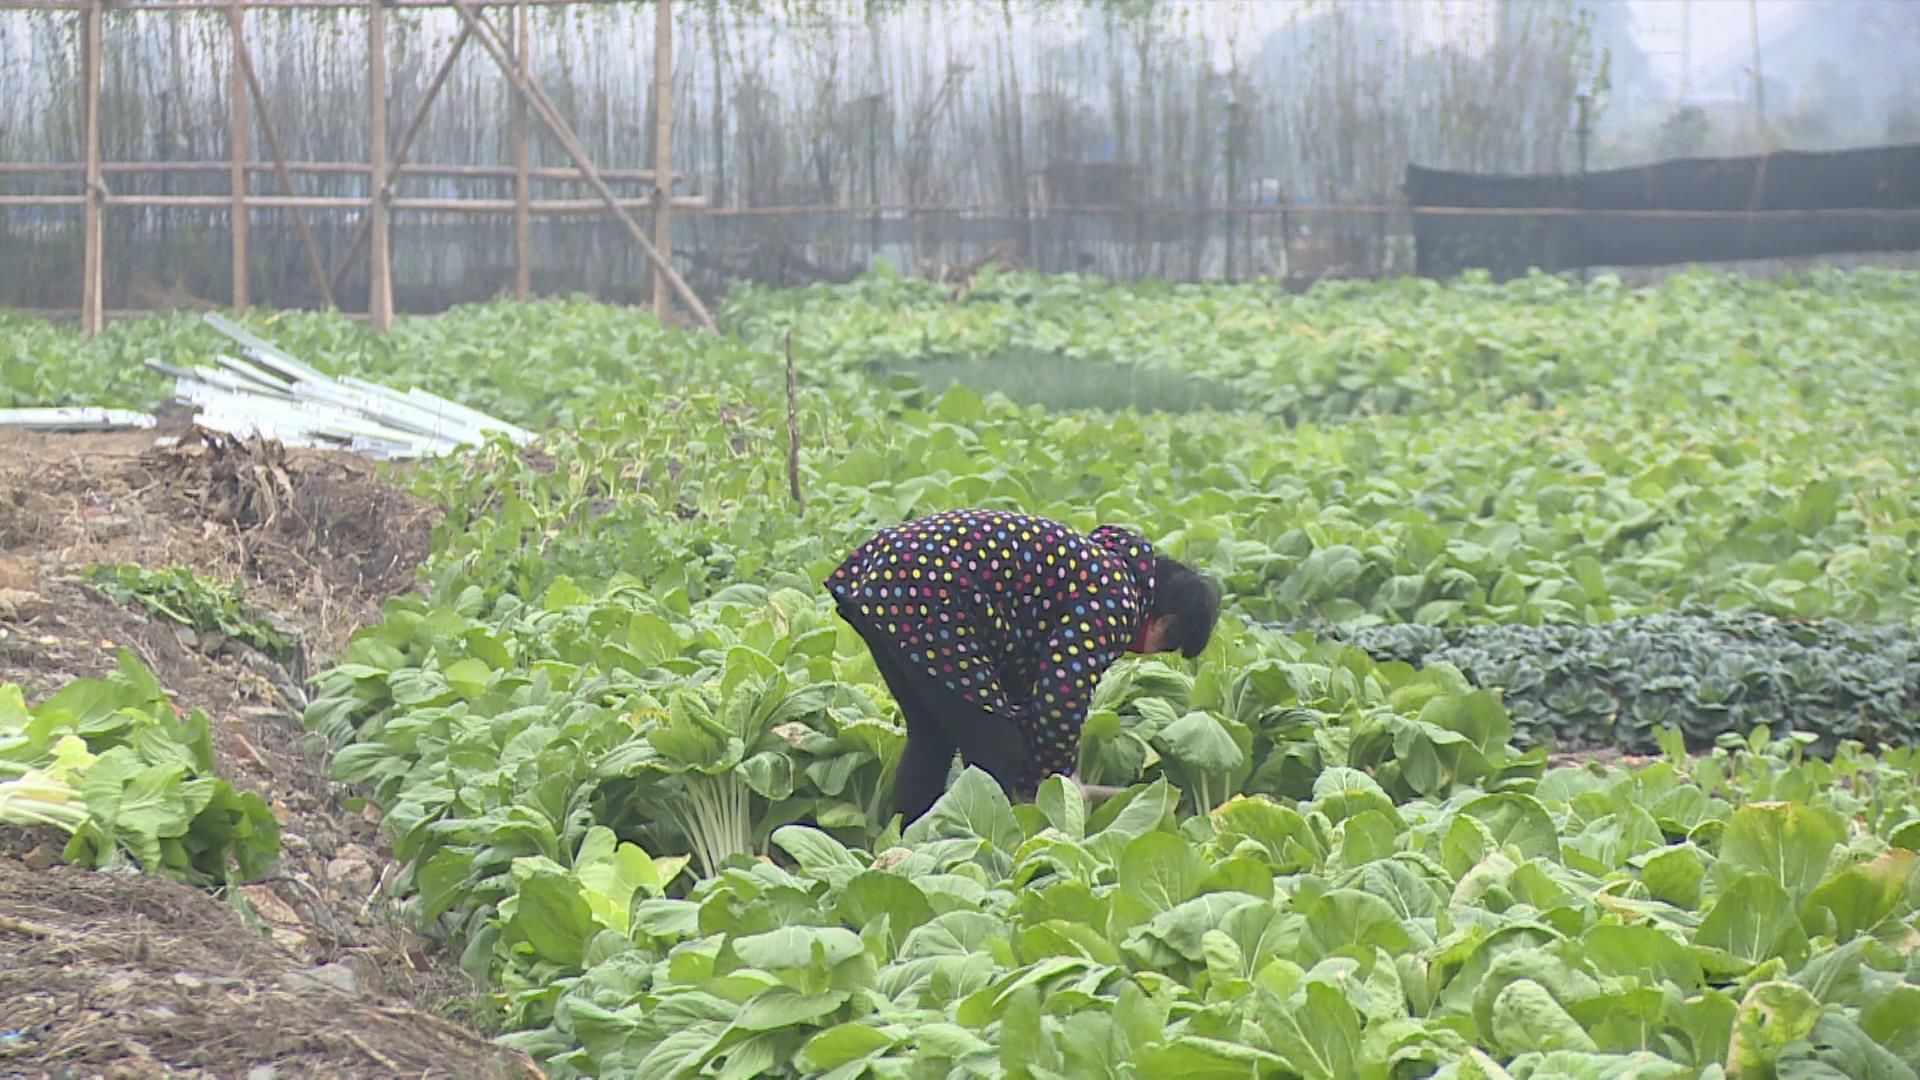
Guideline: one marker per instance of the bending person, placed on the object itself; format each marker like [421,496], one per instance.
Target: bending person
[992,629]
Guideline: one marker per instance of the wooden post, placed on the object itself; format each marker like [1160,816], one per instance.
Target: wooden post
[793,432]
[522,189]
[380,302]
[662,147]
[93,300]
[237,156]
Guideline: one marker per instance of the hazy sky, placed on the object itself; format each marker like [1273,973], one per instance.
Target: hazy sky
[1720,33]
[1719,27]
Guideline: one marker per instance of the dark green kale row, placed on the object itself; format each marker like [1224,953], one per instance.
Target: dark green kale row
[1617,684]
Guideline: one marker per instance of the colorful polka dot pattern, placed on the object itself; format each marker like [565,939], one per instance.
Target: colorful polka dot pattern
[1017,614]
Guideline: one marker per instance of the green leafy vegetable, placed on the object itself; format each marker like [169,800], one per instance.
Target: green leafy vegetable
[111,763]
[181,595]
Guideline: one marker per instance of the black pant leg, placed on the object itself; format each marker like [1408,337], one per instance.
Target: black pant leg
[993,742]
[939,721]
[921,775]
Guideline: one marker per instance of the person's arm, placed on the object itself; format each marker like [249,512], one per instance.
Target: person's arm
[1070,667]
[1096,792]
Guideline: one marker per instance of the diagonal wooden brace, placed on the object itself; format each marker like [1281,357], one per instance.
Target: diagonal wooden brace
[543,107]
[244,58]
[380,185]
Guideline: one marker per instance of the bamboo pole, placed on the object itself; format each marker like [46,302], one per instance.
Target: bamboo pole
[537,207]
[243,61]
[254,5]
[697,205]
[112,314]
[383,178]
[550,116]
[93,300]
[380,302]
[793,432]
[662,147]
[237,157]
[558,174]
[522,168]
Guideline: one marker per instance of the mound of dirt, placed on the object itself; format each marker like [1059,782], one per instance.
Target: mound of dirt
[317,537]
[123,975]
[311,972]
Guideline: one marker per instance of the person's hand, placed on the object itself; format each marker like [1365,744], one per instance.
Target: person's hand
[1096,792]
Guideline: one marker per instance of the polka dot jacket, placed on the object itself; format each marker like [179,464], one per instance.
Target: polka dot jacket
[1017,614]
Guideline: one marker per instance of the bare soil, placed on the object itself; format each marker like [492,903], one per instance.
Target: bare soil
[1605,757]
[312,971]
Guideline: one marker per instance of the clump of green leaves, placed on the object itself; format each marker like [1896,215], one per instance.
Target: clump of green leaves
[1360,349]
[531,363]
[700,728]
[1440,453]
[111,763]
[1619,684]
[179,594]
[1596,923]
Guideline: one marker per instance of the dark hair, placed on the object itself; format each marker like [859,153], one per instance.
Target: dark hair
[1190,600]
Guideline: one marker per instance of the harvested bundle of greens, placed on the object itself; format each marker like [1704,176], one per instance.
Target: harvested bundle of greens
[110,763]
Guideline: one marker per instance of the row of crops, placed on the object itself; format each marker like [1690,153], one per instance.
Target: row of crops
[640,773]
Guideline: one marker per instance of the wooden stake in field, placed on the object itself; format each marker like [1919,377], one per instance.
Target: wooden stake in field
[793,432]
[93,286]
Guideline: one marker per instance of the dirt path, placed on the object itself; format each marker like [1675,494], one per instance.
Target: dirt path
[311,972]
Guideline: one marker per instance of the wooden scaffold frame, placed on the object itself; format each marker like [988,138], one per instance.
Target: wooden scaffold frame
[389,161]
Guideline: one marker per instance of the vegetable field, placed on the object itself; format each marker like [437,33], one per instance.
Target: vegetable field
[1476,540]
